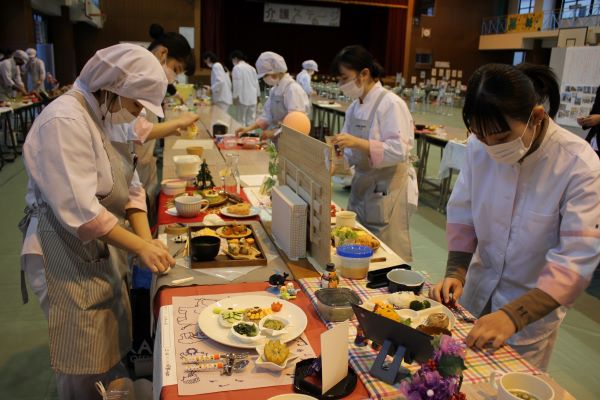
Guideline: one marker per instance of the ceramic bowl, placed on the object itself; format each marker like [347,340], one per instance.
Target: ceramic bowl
[271,366]
[244,338]
[273,332]
[403,280]
[190,206]
[173,187]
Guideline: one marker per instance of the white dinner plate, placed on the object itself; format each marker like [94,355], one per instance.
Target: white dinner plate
[253,212]
[209,324]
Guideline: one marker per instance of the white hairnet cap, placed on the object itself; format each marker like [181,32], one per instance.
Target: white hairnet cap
[310,64]
[128,70]
[270,63]
[21,55]
[31,52]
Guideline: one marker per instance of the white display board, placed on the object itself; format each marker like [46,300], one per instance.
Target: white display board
[578,70]
[301,15]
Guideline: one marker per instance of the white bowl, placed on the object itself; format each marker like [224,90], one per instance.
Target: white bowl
[271,366]
[173,187]
[243,338]
[187,166]
[190,206]
[273,332]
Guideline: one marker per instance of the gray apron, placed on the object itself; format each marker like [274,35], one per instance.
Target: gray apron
[89,312]
[379,196]
[278,109]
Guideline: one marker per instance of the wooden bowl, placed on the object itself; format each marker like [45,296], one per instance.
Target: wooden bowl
[195,150]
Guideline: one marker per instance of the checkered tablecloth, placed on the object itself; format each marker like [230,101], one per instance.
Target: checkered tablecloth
[480,364]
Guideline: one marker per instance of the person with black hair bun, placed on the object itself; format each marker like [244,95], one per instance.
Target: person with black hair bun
[175,56]
[246,89]
[523,219]
[377,139]
[220,82]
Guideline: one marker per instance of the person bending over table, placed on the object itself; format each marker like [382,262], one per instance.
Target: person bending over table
[523,219]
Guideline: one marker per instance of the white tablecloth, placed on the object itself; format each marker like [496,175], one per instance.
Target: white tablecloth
[454,157]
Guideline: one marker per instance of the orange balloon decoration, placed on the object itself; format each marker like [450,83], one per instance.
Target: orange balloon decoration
[297,121]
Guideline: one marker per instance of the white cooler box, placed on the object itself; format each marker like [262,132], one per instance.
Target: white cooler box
[289,222]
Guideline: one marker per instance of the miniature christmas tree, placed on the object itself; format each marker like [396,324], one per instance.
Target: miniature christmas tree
[204,179]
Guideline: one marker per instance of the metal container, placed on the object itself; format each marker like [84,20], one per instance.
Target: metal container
[334,304]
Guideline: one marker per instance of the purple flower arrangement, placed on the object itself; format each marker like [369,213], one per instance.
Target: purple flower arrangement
[440,377]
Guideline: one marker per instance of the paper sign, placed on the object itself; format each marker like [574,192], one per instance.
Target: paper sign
[433,72]
[334,349]
[413,80]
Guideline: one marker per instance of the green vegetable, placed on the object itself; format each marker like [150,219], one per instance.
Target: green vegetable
[217,310]
[273,324]
[246,329]
[345,233]
[406,321]
[426,304]
[416,305]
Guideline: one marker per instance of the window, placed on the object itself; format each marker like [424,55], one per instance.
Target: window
[526,6]
[519,57]
[424,7]
[579,8]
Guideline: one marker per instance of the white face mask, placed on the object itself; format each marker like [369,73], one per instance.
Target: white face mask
[511,152]
[123,116]
[351,89]
[269,80]
[171,75]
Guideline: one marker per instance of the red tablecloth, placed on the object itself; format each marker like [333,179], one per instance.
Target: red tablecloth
[313,330]
[165,219]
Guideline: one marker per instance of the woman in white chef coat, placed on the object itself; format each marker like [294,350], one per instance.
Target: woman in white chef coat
[175,56]
[309,67]
[246,89]
[523,219]
[286,95]
[36,71]
[78,194]
[377,138]
[220,82]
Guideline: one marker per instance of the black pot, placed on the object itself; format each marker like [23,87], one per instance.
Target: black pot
[402,280]
[205,248]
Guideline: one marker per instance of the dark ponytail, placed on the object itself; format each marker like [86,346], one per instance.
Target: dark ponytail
[497,91]
[357,58]
[176,44]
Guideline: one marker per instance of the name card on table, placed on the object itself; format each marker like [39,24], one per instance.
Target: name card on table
[334,355]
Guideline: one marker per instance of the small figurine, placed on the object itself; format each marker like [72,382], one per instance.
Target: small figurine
[292,291]
[360,339]
[278,279]
[329,279]
[288,292]
[283,293]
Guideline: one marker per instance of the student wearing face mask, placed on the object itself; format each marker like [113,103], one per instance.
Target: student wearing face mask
[220,82]
[286,95]
[79,193]
[246,89]
[377,138]
[10,75]
[309,67]
[523,234]
[139,135]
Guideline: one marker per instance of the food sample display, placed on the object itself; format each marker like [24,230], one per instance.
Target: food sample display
[276,352]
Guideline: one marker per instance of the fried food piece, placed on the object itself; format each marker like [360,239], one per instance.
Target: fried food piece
[438,320]
[387,310]
[276,352]
[239,209]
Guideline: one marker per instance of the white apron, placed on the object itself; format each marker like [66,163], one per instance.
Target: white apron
[89,318]
[379,196]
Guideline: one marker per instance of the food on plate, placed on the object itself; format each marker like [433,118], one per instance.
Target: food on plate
[438,320]
[274,324]
[401,299]
[430,330]
[276,306]
[521,394]
[205,232]
[241,246]
[276,352]
[255,313]
[230,316]
[210,193]
[344,233]
[239,209]
[239,229]
[364,239]
[217,310]
[245,329]
[418,305]
[249,241]
[386,310]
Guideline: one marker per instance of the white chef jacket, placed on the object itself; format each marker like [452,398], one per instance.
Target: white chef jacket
[36,70]
[392,134]
[533,224]
[304,79]
[10,76]
[294,99]
[245,84]
[220,84]
[68,169]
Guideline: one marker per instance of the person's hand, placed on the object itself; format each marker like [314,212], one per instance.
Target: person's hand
[240,131]
[155,257]
[589,121]
[491,330]
[441,291]
[266,135]
[186,119]
[345,140]
[159,243]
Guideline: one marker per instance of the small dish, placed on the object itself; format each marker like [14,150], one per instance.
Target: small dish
[270,331]
[403,280]
[271,366]
[173,187]
[244,338]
